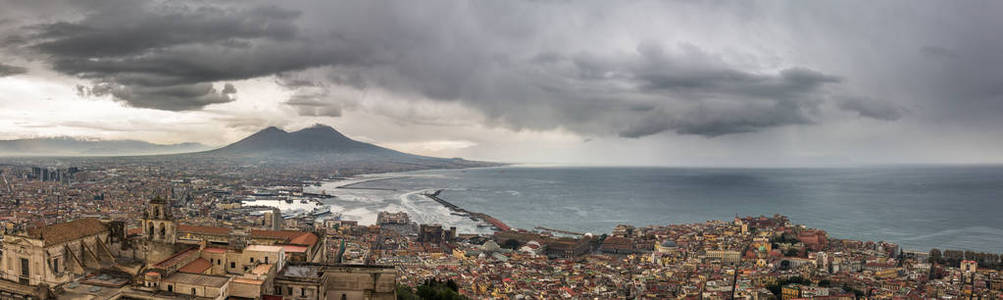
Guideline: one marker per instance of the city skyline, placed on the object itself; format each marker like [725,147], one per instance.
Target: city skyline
[645,83]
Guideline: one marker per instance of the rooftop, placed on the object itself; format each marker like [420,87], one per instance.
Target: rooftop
[64,232]
[176,258]
[198,279]
[294,249]
[288,236]
[197,266]
[263,248]
[303,270]
[204,229]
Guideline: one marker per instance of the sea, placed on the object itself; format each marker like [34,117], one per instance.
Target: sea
[917,207]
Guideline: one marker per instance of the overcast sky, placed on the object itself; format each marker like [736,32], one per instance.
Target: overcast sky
[717,83]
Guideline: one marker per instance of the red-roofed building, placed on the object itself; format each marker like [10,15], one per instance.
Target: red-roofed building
[189,233]
[198,266]
[814,239]
[313,243]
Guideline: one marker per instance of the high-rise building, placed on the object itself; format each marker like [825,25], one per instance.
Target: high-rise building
[272,219]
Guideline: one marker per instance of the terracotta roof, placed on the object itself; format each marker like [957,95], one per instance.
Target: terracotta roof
[297,249]
[198,279]
[275,234]
[64,232]
[249,281]
[214,250]
[176,258]
[619,243]
[197,267]
[261,269]
[287,236]
[204,229]
[305,239]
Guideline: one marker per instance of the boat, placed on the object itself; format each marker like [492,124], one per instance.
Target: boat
[321,210]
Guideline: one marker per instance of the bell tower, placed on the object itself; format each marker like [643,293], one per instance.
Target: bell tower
[158,223]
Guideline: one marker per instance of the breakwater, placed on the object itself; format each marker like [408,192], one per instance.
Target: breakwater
[476,216]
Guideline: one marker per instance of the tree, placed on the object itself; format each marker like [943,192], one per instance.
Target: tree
[511,244]
[406,293]
[433,290]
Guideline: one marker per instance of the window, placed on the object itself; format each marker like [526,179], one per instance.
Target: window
[219,261]
[266,259]
[170,288]
[302,292]
[193,291]
[289,290]
[55,264]
[252,260]
[233,265]
[24,268]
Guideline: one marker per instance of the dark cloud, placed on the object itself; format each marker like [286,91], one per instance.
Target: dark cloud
[174,98]
[310,97]
[310,105]
[872,108]
[694,92]
[166,56]
[8,70]
[228,89]
[509,61]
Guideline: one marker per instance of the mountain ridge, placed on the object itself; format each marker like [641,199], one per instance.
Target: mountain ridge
[322,146]
[318,138]
[73,146]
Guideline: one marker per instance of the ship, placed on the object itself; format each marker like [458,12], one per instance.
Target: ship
[321,210]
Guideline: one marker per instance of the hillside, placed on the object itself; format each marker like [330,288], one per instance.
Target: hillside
[64,146]
[323,146]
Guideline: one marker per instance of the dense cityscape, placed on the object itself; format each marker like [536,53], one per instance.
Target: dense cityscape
[515,149]
[93,230]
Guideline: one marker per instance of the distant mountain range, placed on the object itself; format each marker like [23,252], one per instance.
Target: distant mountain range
[316,149]
[66,146]
[324,146]
[317,140]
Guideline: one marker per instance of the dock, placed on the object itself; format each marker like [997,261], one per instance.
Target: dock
[476,216]
[316,195]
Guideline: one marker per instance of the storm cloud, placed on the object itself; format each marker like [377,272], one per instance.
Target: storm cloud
[8,70]
[168,56]
[587,67]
